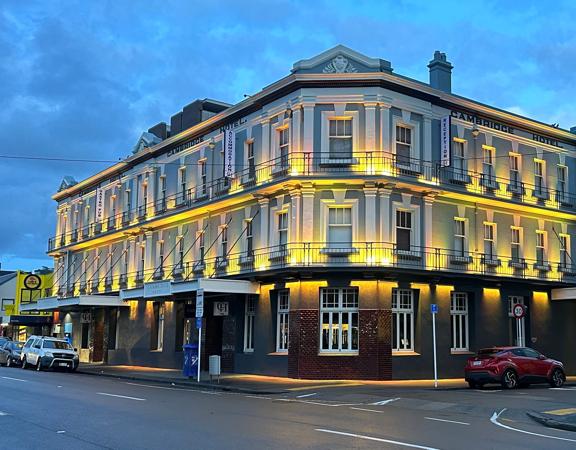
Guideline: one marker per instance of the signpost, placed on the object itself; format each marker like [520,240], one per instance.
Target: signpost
[199,315]
[434,311]
[519,311]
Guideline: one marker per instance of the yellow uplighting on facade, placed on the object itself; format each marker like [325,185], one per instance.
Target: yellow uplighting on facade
[540,296]
[386,262]
[491,293]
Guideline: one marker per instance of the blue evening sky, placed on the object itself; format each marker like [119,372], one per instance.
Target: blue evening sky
[83,79]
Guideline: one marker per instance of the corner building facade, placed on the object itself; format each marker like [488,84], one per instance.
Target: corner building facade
[349,206]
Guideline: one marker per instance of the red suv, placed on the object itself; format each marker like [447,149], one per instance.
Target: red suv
[512,367]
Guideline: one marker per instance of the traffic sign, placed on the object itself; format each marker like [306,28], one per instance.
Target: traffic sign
[433,308]
[199,322]
[518,311]
[200,303]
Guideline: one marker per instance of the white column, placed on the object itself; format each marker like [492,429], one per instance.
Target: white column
[427,144]
[385,128]
[370,138]
[370,191]
[308,213]
[264,221]
[385,214]
[308,141]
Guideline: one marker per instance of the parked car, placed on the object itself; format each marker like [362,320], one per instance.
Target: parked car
[512,367]
[43,352]
[10,353]
[3,340]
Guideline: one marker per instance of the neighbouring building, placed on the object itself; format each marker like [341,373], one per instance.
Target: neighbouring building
[322,217]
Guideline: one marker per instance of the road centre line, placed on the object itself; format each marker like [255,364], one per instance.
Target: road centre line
[367,410]
[371,438]
[258,397]
[307,395]
[445,420]
[122,396]
[15,379]
[385,402]
[496,416]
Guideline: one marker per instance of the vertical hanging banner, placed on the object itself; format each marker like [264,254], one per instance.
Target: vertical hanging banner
[229,152]
[99,205]
[445,141]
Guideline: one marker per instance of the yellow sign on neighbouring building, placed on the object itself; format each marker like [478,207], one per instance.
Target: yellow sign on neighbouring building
[30,287]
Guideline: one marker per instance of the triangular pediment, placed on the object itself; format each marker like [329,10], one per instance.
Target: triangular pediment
[146,140]
[341,59]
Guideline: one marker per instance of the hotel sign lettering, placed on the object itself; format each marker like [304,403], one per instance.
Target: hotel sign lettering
[505,128]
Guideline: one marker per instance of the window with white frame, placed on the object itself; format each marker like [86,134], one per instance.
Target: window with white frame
[539,172]
[515,243]
[564,250]
[403,144]
[489,241]
[283,145]
[460,246]
[249,319]
[180,262]
[488,163]
[144,197]
[458,157]
[203,177]
[283,228]
[540,247]
[562,181]
[340,226]
[183,184]
[163,191]
[402,320]
[6,302]
[250,160]
[223,241]
[515,179]
[282,320]
[403,230]
[339,320]
[249,237]
[160,258]
[459,321]
[142,262]
[340,138]
[201,247]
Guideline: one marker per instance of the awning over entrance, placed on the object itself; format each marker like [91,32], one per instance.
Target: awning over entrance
[30,320]
[54,303]
[167,288]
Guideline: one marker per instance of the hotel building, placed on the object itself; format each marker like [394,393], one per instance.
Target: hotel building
[321,218]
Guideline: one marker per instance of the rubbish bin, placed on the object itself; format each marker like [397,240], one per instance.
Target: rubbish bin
[214,366]
[190,367]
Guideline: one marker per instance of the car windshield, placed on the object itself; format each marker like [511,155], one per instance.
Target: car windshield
[17,345]
[60,345]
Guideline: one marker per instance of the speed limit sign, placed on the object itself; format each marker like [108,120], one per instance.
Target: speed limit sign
[518,311]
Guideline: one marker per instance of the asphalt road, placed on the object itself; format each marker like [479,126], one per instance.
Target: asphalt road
[49,410]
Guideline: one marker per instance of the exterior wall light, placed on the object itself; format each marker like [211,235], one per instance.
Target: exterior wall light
[475,132]
[212,144]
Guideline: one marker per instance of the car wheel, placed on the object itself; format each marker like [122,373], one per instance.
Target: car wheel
[8,362]
[509,379]
[39,365]
[558,378]
[24,363]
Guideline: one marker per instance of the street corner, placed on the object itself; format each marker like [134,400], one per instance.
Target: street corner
[563,419]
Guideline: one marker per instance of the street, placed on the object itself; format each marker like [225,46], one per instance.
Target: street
[51,410]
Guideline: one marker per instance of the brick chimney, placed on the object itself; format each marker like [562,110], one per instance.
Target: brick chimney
[440,72]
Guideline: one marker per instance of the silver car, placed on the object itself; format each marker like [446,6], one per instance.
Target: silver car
[43,352]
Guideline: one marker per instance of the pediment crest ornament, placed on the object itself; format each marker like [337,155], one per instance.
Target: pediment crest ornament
[339,64]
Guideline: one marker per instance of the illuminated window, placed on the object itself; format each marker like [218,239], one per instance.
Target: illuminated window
[403,144]
[540,247]
[283,228]
[515,179]
[459,320]
[539,176]
[339,320]
[515,243]
[249,319]
[562,181]
[489,241]
[283,145]
[282,320]
[403,230]
[402,320]
[340,226]
[340,138]
[460,246]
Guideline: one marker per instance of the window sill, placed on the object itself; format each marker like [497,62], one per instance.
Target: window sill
[278,353]
[461,352]
[156,351]
[407,353]
[248,352]
[338,354]
[335,251]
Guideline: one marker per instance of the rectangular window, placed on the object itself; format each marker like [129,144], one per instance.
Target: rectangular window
[539,181]
[564,250]
[157,331]
[6,302]
[460,237]
[488,163]
[203,178]
[403,230]
[340,138]
[459,320]
[250,159]
[515,180]
[489,241]
[403,144]
[142,262]
[183,184]
[402,320]
[282,320]
[562,182]
[161,254]
[540,247]
[163,191]
[85,335]
[181,252]
[249,237]
[515,243]
[283,228]
[201,247]
[340,226]
[224,242]
[249,317]
[283,145]
[339,319]
[458,157]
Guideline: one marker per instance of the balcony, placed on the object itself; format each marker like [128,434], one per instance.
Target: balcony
[372,166]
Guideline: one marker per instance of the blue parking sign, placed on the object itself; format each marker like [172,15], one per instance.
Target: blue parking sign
[199,322]
[433,308]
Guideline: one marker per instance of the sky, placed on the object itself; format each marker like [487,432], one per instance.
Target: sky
[82,80]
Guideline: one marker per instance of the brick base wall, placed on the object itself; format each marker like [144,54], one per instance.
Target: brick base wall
[374,359]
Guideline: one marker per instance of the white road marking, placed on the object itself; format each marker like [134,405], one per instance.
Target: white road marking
[2,413]
[307,395]
[173,388]
[58,386]
[15,379]
[488,392]
[385,402]
[494,420]
[562,389]
[308,402]
[371,438]
[449,421]
[60,432]
[121,396]
[259,397]
[365,409]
